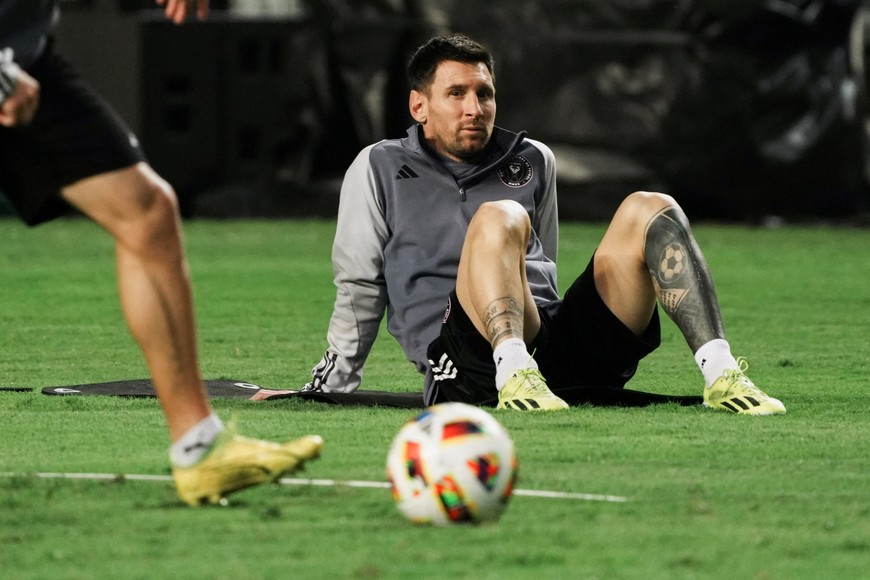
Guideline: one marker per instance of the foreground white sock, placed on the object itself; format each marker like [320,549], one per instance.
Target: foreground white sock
[509,356]
[196,442]
[714,358]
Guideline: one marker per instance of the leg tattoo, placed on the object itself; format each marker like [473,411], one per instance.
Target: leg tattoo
[681,279]
[503,317]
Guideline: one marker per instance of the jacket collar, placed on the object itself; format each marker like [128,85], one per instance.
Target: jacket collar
[503,144]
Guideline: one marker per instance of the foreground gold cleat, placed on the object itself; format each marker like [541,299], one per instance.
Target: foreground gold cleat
[237,462]
[734,392]
[527,390]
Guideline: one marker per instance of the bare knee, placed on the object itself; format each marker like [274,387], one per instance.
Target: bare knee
[641,206]
[648,202]
[151,226]
[501,222]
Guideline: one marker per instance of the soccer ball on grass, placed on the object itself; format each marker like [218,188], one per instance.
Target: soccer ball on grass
[453,463]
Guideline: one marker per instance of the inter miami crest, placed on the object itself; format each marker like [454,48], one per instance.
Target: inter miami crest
[516,171]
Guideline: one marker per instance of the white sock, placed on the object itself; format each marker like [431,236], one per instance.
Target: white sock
[190,448]
[509,356]
[714,358]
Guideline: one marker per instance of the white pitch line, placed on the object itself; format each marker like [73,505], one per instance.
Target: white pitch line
[99,476]
[570,495]
[312,482]
[334,483]
[525,492]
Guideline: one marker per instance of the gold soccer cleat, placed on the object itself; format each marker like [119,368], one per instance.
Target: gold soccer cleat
[237,462]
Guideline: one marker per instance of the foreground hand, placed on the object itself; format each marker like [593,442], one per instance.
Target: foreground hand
[177,10]
[20,107]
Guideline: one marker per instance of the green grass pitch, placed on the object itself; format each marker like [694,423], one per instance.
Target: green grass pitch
[710,495]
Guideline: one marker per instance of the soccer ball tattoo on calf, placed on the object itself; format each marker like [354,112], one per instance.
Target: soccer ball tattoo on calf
[679,274]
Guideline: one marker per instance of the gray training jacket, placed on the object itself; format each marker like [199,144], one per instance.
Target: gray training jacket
[402,220]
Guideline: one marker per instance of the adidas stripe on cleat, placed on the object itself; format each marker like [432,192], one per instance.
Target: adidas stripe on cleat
[734,392]
[522,404]
[527,390]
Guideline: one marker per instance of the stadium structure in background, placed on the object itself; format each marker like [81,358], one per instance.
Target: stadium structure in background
[740,108]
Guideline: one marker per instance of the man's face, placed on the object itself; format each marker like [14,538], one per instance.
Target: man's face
[458,109]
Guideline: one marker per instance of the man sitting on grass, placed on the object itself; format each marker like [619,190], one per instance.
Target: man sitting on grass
[462,214]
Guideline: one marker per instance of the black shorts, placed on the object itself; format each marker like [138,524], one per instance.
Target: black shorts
[580,344]
[75,134]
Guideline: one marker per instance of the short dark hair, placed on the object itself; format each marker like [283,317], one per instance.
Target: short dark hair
[458,47]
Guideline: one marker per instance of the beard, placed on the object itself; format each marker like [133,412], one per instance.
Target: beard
[466,148]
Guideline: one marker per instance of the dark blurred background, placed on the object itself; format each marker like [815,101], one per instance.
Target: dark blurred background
[750,110]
